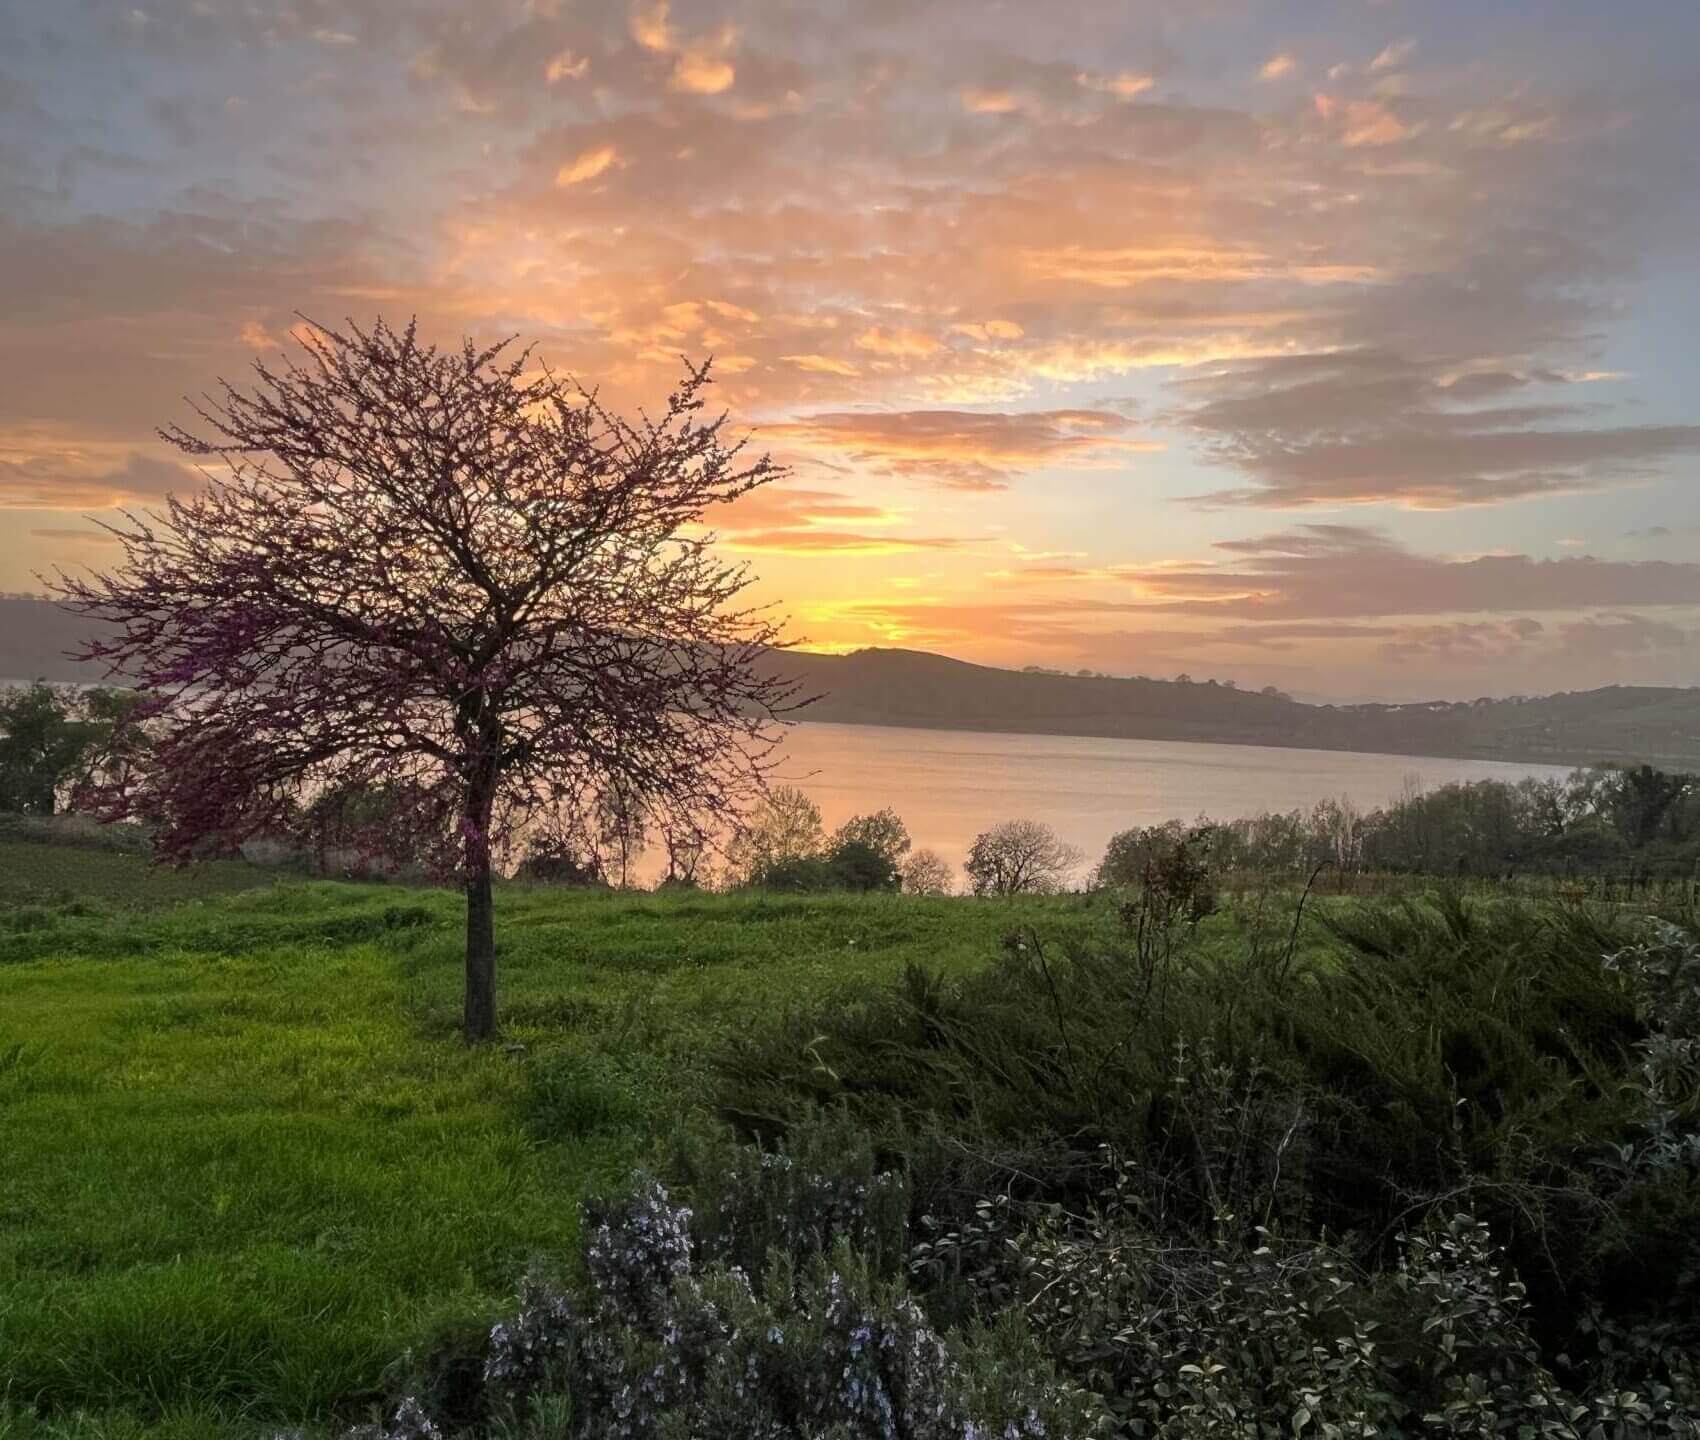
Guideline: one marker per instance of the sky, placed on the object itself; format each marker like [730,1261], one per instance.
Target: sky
[1347,346]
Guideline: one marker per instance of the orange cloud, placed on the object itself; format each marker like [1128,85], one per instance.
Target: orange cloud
[566,66]
[587,165]
[1276,66]
[652,28]
[821,364]
[967,450]
[910,343]
[792,520]
[703,70]
[1136,265]
[1124,84]
[990,330]
[1369,123]
[835,542]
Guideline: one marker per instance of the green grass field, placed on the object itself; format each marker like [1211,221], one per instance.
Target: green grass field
[245,1161]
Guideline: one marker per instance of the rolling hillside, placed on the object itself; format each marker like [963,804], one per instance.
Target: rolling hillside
[913,688]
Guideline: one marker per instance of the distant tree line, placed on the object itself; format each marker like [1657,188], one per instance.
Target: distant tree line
[1601,819]
[59,744]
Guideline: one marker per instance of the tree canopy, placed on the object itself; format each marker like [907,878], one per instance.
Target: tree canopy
[453,574]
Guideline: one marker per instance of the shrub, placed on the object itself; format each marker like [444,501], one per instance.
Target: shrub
[556,861]
[670,1346]
[1479,1052]
[796,875]
[823,1186]
[858,865]
[851,865]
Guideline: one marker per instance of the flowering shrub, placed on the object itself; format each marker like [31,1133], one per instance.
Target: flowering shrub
[824,1186]
[638,1246]
[666,1346]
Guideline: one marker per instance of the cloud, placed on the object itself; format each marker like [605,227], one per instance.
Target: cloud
[963,449]
[703,72]
[652,28]
[1202,261]
[1276,66]
[1123,84]
[798,520]
[821,365]
[907,343]
[87,535]
[1393,56]
[1347,571]
[565,65]
[977,101]
[587,165]
[1359,427]
[700,67]
[836,542]
[1610,635]
[75,478]
[989,330]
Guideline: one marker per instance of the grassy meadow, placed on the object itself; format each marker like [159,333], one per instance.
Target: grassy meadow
[252,1182]
[247,1162]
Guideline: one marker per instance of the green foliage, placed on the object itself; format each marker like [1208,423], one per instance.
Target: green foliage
[1235,1171]
[554,860]
[786,829]
[795,875]
[882,832]
[1280,1337]
[670,1342]
[1637,820]
[44,736]
[247,1162]
[852,865]
[823,1185]
[52,887]
[1478,1051]
[861,866]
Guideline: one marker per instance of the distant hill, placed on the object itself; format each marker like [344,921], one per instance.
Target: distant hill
[913,688]
[909,687]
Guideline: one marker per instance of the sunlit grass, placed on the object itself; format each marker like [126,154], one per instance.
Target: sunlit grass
[247,1161]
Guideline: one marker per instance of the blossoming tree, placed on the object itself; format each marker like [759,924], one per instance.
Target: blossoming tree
[450,576]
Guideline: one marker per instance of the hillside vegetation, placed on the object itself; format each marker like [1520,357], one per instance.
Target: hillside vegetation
[1124,1164]
[1628,724]
[248,1161]
[1631,724]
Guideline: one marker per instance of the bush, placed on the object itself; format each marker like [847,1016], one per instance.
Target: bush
[823,1186]
[1217,1338]
[796,875]
[857,865]
[1438,1053]
[553,861]
[853,865]
[671,1345]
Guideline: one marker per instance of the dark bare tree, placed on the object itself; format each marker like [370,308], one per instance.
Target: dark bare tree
[451,574]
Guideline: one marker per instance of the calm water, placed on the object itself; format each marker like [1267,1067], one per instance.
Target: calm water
[948,785]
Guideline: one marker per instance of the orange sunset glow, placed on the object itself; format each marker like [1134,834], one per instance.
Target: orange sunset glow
[1346,347]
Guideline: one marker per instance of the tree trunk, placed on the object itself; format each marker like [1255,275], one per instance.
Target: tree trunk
[480,1019]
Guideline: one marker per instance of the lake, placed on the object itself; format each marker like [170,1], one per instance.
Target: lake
[948,785]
